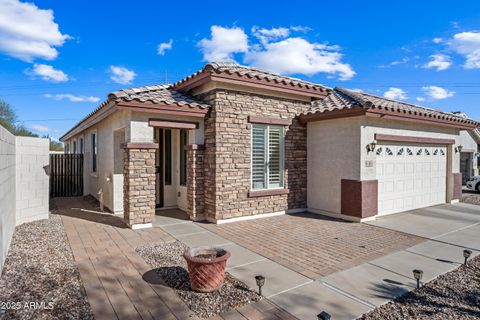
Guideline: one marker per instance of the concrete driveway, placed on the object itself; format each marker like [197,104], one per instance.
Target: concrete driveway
[350,292]
[455,224]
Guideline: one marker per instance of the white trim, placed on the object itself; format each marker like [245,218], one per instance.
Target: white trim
[340,216]
[244,218]
[141,226]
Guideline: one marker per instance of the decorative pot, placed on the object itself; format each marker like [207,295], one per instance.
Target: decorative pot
[206,267]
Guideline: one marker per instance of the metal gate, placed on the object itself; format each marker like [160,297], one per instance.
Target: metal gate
[66,175]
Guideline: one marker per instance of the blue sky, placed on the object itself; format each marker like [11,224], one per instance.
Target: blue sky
[60,64]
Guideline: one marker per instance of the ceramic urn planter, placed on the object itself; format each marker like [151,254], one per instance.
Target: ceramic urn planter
[206,267]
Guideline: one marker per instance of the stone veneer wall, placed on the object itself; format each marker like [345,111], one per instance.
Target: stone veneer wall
[195,182]
[139,186]
[228,151]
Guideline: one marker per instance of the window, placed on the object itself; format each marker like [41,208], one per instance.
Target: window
[168,157]
[183,157]
[94,152]
[67,148]
[267,156]
[379,151]
[74,147]
[81,145]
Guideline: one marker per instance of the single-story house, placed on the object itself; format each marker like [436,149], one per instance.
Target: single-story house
[231,142]
[469,141]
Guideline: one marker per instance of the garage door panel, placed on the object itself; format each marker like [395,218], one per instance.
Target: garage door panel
[410,177]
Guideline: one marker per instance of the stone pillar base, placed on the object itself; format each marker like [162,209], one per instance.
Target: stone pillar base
[195,182]
[139,188]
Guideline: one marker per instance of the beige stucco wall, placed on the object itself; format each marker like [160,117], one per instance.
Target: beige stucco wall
[104,178]
[133,126]
[333,149]
[337,149]
[470,145]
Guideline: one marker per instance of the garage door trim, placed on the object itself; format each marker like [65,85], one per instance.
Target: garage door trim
[411,139]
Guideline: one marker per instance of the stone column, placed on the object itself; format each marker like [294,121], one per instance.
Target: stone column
[195,182]
[139,189]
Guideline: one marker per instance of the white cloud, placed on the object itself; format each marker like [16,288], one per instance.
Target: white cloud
[40,128]
[437,40]
[47,73]
[468,45]
[395,94]
[300,29]
[224,42]
[71,97]
[164,46]
[28,32]
[267,35]
[395,63]
[420,99]
[121,75]
[298,56]
[439,62]
[437,93]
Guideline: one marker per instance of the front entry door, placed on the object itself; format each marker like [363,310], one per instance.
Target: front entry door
[159,169]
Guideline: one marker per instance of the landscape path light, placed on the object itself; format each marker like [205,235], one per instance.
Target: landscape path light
[418,275]
[466,254]
[324,316]
[260,282]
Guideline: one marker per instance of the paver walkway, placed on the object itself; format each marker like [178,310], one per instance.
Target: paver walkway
[314,245]
[113,273]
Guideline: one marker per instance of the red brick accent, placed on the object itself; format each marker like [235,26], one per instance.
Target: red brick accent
[409,139]
[139,186]
[195,181]
[359,198]
[457,186]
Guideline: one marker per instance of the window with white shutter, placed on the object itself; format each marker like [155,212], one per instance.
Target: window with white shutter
[267,156]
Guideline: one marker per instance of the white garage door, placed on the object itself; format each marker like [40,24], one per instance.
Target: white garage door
[410,177]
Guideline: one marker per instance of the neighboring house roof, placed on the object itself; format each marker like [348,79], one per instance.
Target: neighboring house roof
[234,73]
[343,102]
[152,96]
[475,132]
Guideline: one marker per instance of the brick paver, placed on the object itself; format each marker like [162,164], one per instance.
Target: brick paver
[314,245]
[113,273]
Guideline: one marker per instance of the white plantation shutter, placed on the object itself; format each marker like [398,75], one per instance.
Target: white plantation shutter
[267,156]
[275,136]
[259,157]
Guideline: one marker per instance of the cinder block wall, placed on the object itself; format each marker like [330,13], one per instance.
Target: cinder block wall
[32,156]
[7,192]
[24,188]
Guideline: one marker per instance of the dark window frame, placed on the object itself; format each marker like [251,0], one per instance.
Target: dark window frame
[168,156]
[94,152]
[183,157]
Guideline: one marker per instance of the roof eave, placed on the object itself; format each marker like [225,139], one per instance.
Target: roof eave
[351,112]
[232,78]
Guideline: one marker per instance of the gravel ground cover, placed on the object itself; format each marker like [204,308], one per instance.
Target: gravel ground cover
[40,279]
[172,269]
[471,197]
[454,295]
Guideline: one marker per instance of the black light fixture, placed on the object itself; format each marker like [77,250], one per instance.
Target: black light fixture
[418,275]
[466,254]
[324,316]
[260,282]
[458,149]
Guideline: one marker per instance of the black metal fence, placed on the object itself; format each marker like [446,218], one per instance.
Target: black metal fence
[66,175]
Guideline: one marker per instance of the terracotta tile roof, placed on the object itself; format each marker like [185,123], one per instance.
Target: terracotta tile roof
[158,94]
[341,98]
[233,68]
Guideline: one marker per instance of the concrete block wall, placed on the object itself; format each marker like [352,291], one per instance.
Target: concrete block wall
[7,192]
[32,156]
[24,188]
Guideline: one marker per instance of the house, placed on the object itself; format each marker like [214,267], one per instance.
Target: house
[230,142]
[469,141]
